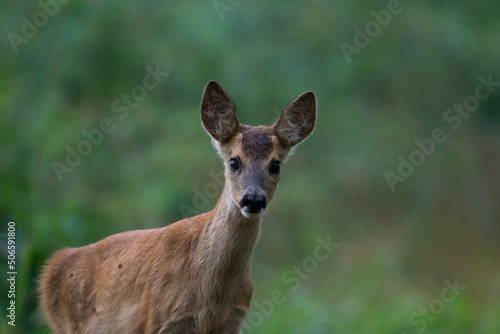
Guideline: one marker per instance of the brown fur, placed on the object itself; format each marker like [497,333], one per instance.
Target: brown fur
[192,276]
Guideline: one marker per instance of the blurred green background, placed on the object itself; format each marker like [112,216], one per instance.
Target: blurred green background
[399,249]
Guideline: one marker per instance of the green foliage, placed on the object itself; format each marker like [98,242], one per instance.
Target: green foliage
[397,247]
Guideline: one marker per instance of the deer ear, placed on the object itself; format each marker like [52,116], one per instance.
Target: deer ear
[297,120]
[218,113]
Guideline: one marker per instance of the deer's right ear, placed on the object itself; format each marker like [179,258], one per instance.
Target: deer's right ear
[218,113]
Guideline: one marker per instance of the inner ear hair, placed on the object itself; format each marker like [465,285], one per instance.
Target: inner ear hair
[218,113]
[297,120]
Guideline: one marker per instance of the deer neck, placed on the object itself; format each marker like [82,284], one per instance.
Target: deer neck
[226,244]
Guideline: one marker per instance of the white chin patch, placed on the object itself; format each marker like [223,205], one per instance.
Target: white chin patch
[249,214]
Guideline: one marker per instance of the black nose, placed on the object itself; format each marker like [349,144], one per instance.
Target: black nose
[253,203]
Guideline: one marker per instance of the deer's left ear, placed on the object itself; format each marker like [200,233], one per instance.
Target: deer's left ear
[297,120]
[218,113]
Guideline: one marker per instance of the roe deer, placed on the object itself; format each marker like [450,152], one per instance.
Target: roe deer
[192,276]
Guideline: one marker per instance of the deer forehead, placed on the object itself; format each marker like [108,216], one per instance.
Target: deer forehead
[254,143]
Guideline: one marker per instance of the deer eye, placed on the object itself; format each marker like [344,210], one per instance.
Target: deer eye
[234,164]
[275,167]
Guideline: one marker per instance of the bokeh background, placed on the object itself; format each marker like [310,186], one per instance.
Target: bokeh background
[399,248]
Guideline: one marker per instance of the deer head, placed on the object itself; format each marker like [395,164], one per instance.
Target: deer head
[253,155]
